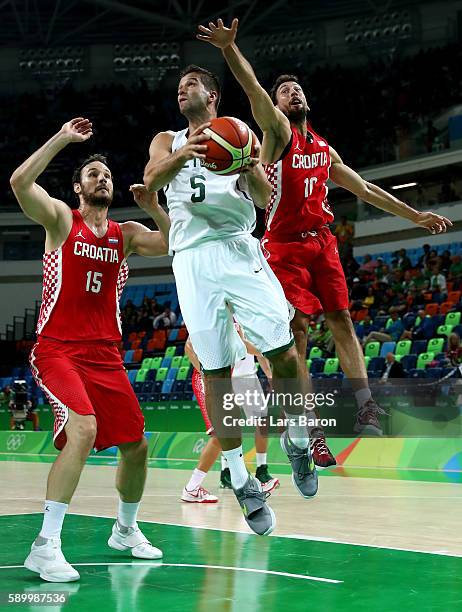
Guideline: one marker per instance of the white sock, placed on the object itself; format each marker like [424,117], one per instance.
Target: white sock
[297,433]
[261,459]
[235,459]
[224,463]
[196,479]
[127,514]
[362,396]
[53,518]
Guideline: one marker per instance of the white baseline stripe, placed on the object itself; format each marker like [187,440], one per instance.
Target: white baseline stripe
[192,565]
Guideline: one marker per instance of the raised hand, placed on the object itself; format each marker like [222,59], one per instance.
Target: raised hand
[195,145]
[436,224]
[145,199]
[77,130]
[218,35]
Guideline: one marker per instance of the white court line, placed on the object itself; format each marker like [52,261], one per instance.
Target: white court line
[291,536]
[192,565]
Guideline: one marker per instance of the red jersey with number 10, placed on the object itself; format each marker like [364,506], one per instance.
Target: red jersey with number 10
[82,283]
[299,199]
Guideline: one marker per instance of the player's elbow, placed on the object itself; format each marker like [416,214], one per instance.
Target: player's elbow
[150,179]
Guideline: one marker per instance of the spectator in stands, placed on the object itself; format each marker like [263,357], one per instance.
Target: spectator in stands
[345,232]
[422,330]
[392,333]
[369,265]
[385,274]
[407,283]
[454,351]
[323,339]
[445,262]
[423,259]
[350,265]
[145,321]
[392,368]
[357,293]
[370,299]
[166,319]
[455,269]
[404,263]
[365,327]
[437,280]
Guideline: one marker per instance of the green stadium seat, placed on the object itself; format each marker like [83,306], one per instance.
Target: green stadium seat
[399,357]
[182,373]
[435,345]
[372,349]
[308,364]
[170,351]
[452,318]
[161,374]
[141,376]
[331,365]
[423,359]
[444,330]
[185,362]
[155,363]
[389,322]
[403,347]
[176,361]
[146,365]
[315,352]
[366,361]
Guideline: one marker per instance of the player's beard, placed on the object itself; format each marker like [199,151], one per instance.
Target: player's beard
[297,115]
[98,199]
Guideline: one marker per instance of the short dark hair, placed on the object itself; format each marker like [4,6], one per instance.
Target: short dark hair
[208,79]
[282,78]
[76,176]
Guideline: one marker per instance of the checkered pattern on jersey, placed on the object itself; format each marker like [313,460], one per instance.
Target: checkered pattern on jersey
[52,278]
[60,410]
[120,285]
[273,173]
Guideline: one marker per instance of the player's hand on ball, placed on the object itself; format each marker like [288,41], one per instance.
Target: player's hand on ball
[436,224]
[218,35]
[77,130]
[195,145]
[144,198]
[252,162]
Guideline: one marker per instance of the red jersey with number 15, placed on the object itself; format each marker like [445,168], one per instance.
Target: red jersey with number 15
[299,199]
[82,282]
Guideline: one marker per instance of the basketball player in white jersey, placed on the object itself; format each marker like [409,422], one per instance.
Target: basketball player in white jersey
[244,378]
[221,272]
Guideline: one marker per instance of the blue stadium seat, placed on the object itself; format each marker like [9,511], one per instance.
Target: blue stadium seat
[132,375]
[171,374]
[173,335]
[434,373]
[409,361]
[158,386]
[387,347]
[167,386]
[166,362]
[178,386]
[138,387]
[148,386]
[376,364]
[152,374]
[128,356]
[179,350]
[317,365]
[417,374]
[419,346]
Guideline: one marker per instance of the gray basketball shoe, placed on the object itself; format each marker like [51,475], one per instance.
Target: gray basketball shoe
[304,475]
[258,515]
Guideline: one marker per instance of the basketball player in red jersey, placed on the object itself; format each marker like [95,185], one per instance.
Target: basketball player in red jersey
[76,360]
[298,244]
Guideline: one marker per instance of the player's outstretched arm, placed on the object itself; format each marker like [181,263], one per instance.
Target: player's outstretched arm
[36,203]
[163,165]
[347,178]
[268,117]
[137,237]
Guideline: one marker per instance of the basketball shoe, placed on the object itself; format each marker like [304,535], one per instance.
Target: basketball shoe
[304,474]
[319,450]
[199,495]
[225,479]
[268,483]
[367,420]
[49,561]
[132,538]
[258,515]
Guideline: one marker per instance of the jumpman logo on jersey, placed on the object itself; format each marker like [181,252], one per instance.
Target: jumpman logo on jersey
[297,147]
[80,235]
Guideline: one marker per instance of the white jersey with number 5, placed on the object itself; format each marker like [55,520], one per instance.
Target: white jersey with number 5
[204,206]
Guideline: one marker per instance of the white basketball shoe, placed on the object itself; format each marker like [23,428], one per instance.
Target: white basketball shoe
[49,561]
[133,539]
[199,495]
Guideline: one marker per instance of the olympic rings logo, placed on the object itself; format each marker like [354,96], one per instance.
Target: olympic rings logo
[15,441]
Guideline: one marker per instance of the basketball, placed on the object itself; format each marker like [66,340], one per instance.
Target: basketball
[230,147]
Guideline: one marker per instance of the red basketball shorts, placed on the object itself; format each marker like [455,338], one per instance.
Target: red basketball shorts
[309,270]
[88,378]
[198,387]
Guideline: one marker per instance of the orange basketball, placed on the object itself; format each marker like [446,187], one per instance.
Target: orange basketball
[230,147]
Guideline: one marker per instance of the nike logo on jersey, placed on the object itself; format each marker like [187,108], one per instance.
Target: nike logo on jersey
[80,235]
[257,271]
[321,143]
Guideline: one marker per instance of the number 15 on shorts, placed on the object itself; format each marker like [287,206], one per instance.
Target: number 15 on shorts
[93,281]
